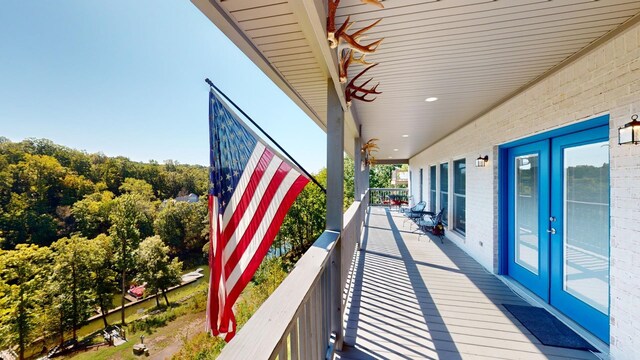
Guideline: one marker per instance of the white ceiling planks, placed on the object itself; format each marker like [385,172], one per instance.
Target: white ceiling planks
[470,54]
[273,29]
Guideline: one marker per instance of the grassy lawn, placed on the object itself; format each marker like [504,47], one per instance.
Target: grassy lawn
[162,330]
[160,339]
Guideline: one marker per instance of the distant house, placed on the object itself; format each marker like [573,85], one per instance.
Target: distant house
[399,177]
[191,198]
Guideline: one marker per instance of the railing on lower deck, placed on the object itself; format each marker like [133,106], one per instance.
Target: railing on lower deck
[388,196]
[295,321]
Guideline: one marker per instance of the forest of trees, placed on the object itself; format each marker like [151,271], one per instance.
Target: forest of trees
[77,228]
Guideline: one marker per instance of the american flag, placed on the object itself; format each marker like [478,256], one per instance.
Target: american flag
[251,190]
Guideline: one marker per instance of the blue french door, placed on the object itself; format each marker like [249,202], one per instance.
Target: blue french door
[528,216]
[580,224]
[558,224]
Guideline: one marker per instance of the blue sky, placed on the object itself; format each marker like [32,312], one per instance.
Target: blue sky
[127,78]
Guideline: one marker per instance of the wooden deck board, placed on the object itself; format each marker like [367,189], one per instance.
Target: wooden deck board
[415,298]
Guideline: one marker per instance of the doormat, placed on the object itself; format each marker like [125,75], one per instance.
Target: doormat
[546,328]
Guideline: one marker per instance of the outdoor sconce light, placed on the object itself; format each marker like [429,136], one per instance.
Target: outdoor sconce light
[630,132]
[481,161]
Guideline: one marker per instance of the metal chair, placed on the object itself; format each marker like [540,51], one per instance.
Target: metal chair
[430,221]
[415,213]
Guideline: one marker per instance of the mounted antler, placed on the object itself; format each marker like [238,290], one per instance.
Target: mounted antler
[347,58]
[367,150]
[351,40]
[372,2]
[331,21]
[348,44]
[352,90]
[334,36]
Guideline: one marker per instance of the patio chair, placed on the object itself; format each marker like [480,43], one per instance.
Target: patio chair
[429,223]
[415,213]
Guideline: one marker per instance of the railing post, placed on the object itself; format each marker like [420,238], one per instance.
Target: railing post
[335,200]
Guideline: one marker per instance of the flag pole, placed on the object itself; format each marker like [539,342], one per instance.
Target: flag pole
[267,135]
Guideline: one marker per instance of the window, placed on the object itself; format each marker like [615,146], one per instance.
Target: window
[411,185]
[459,205]
[421,183]
[444,192]
[432,188]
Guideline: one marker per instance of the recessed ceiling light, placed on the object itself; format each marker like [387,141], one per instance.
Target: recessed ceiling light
[405,135]
[395,149]
[430,99]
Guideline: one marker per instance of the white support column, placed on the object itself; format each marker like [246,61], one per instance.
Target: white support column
[335,160]
[335,200]
[365,178]
[358,190]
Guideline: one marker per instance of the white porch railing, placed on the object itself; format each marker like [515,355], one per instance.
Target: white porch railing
[295,321]
[387,196]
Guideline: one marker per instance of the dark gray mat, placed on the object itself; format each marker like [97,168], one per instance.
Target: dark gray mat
[546,328]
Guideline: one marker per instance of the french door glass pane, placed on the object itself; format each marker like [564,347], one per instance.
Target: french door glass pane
[459,222]
[459,190]
[586,224]
[421,184]
[432,186]
[526,212]
[444,191]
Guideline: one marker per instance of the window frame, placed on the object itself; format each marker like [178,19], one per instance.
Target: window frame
[433,188]
[444,178]
[456,178]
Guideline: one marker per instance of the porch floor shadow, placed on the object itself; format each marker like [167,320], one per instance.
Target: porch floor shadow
[416,298]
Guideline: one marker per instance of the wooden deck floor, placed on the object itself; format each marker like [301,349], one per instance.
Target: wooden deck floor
[420,299]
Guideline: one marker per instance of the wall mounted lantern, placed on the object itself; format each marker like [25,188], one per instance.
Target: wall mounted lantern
[630,132]
[481,161]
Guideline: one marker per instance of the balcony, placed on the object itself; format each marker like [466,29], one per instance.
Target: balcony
[530,80]
[405,295]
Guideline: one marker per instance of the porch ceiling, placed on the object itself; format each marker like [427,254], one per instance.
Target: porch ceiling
[470,54]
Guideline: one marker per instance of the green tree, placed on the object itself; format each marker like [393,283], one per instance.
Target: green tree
[138,187]
[71,283]
[105,282]
[131,221]
[91,214]
[155,269]
[380,176]
[349,182]
[23,274]
[181,226]
[304,222]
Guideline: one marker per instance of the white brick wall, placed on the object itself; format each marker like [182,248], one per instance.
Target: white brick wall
[606,80]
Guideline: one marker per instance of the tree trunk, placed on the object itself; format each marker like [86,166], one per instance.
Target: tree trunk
[124,271]
[21,325]
[74,300]
[164,292]
[61,331]
[157,299]
[104,317]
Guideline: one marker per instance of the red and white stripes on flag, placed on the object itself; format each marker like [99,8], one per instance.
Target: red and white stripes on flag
[252,190]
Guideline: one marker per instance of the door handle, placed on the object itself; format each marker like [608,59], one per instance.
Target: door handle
[552,231]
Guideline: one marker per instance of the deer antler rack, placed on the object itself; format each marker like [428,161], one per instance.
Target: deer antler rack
[348,45]
[331,22]
[347,58]
[373,2]
[351,40]
[367,151]
[352,91]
